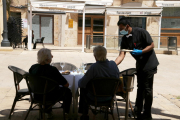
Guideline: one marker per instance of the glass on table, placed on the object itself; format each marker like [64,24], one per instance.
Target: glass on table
[85,64]
[62,64]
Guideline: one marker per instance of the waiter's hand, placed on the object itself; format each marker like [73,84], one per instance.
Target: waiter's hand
[136,52]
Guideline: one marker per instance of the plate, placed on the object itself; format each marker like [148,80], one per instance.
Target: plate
[126,50]
[65,73]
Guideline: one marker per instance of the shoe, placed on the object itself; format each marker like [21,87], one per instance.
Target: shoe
[146,116]
[83,117]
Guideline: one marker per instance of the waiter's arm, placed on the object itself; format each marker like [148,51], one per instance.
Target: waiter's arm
[120,58]
[148,48]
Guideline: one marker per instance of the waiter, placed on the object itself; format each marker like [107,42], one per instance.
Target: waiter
[139,40]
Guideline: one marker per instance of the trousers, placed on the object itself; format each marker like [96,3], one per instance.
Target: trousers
[144,96]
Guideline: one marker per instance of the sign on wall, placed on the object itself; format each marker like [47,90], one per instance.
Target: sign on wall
[70,23]
[24,23]
[168,3]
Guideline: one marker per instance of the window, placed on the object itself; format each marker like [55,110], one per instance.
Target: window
[170,20]
[87,22]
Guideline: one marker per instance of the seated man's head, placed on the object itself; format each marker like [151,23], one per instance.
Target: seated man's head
[44,56]
[100,53]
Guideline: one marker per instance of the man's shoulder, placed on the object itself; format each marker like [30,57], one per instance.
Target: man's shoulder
[112,62]
[139,30]
[35,65]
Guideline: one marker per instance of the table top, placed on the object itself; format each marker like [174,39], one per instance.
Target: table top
[73,73]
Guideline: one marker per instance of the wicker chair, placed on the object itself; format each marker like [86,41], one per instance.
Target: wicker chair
[20,93]
[102,88]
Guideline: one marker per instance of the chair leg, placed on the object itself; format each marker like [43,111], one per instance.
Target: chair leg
[28,111]
[117,110]
[12,109]
[64,117]
[94,116]
[112,114]
[106,113]
[131,108]
[44,116]
[40,112]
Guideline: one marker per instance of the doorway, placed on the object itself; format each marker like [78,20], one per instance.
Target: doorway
[43,26]
[136,22]
[94,25]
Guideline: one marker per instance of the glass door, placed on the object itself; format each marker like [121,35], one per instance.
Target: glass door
[97,31]
[47,28]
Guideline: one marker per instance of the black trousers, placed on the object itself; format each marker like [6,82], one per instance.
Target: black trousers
[83,106]
[34,47]
[144,96]
[26,41]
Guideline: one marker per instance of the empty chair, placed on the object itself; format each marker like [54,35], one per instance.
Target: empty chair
[20,93]
[102,92]
[41,89]
[67,66]
[125,91]
[39,41]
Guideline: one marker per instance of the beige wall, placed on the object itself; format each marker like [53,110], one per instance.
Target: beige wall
[1,20]
[57,29]
[23,15]
[71,34]
[112,30]
[148,3]
[18,2]
[152,24]
[117,2]
[67,37]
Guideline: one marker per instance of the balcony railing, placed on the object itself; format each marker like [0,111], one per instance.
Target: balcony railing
[114,42]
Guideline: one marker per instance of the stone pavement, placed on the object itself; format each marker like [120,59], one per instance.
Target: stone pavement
[166,104]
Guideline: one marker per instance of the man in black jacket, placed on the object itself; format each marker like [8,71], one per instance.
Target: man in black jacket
[140,41]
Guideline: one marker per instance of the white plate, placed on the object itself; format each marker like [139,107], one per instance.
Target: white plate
[126,50]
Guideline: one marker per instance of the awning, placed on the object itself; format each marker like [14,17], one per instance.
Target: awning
[97,2]
[95,9]
[168,3]
[64,5]
[47,11]
[130,11]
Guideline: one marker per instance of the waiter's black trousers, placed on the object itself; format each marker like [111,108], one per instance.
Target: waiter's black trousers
[144,92]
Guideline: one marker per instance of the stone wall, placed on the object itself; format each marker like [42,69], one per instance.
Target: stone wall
[112,30]
[67,37]
[57,30]
[117,2]
[1,20]
[71,34]
[23,16]
[148,3]
[18,2]
[152,26]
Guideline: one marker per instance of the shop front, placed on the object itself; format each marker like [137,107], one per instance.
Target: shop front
[170,20]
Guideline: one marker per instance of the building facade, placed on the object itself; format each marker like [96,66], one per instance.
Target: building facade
[1,20]
[65,30]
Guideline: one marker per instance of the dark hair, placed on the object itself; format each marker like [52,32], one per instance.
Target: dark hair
[124,21]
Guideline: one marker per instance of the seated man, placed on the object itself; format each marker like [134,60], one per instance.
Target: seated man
[43,68]
[102,68]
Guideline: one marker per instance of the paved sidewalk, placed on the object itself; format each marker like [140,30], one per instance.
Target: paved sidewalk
[166,104]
